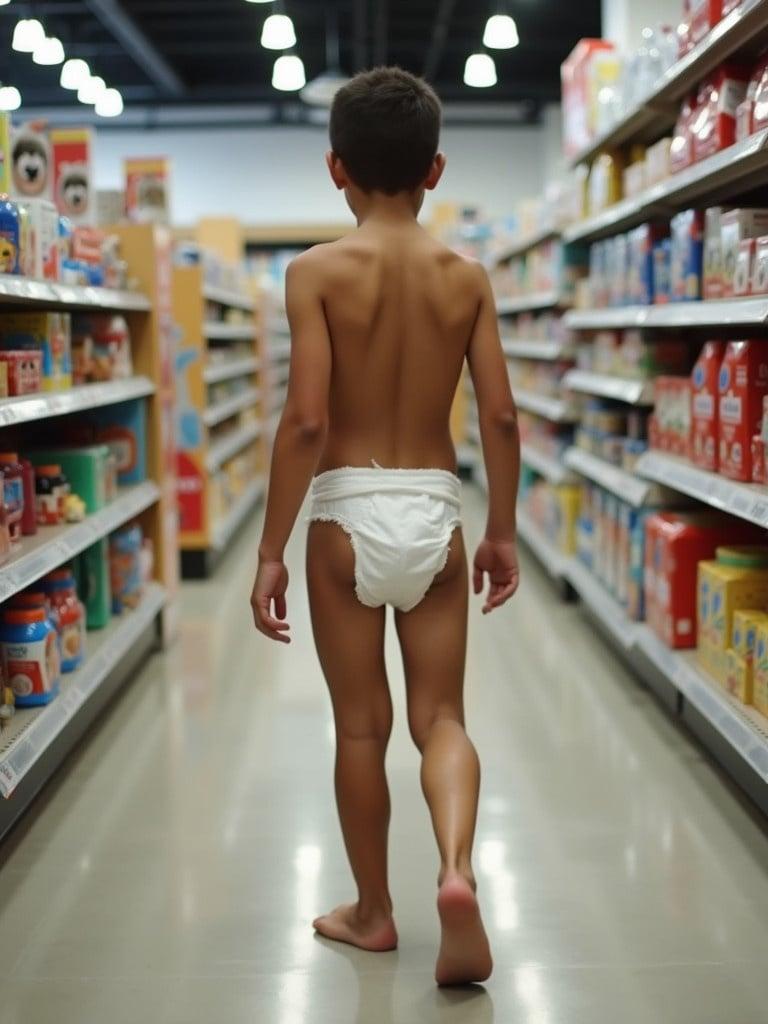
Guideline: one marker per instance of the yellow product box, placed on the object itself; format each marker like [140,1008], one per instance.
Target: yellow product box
[760,669]
[738,676]
[605,180]
[49,333]
[745,625]
[568,509]
[726,589]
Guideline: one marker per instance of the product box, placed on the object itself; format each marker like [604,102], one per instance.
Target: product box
[147,190]
[580,77]
[722,590]
[31,164]
[704,406]
[5,153]
[672,414]
[123,427]
[742,385]
[736,225]
[704,15]
[658,162]
[760,105]
[738,676]
[687,233]
[73,188]
[3,380]
[662,271]
[568,506]
[86,470]
[713,253]
[24,371]
[605,181]
[640,263]
[681,143]
[760,669]
[742,272]
[760,267]
[44,248]
[714,124]
[93,584]
[47,333]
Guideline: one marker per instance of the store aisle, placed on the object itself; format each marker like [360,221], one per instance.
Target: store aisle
[170,877]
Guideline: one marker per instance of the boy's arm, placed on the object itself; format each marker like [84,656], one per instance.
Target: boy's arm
[497,414]
[299,440]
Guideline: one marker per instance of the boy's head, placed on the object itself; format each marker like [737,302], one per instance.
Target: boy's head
[385,132]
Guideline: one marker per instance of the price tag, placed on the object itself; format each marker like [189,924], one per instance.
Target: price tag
[8,778]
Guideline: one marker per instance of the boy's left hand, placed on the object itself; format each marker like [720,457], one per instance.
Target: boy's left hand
[270,586]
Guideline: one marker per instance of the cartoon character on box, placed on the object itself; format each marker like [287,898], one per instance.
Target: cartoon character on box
[73,190]
[31,163]
[8,255]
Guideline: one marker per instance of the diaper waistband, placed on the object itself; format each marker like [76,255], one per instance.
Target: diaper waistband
[354,481]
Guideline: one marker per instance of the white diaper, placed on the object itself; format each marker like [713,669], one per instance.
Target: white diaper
[400,523]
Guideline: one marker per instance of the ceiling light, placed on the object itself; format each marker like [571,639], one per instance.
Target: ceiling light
[4,3]
[288,74]
[48,51]
[10,98]
[92,90]
[501,33]
[110,103]
[480,71]
[320,92]
[74,74]
[27,35]
[247,1]
[278,33]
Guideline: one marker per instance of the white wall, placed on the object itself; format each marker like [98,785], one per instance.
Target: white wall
[273,175]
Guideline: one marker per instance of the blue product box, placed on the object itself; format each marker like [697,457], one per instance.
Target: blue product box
[687,261]
[124,428]
[662,271]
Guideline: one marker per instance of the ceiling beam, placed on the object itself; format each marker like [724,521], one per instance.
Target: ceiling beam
[118,22]
[439,37]
[381,32]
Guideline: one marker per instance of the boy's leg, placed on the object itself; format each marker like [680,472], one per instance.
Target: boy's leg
[350,643]
[433,639]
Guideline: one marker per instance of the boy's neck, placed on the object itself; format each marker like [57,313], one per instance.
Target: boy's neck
[380,209]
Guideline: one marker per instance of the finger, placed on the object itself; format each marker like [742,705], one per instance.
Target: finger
[477,580]
[269,621]
[281,608]
[267,631]
[501,595]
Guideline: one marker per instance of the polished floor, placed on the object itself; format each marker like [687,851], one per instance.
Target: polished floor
[171,873]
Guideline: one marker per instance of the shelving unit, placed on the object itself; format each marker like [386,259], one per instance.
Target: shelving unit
[522,245]
[550,468]
[620,389]
[526,303]
[214,430]
[714,313]
[46,405]
[635,491]
[549,351]
[555,409]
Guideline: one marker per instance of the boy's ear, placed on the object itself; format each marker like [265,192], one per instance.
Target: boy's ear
[435,172]
[336,167]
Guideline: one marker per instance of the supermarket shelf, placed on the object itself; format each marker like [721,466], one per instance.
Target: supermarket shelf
[32,732]
[747,501]
[739,312]
[522,245]
[523,303]
[618,481]
[744,729]
[29,292]
[229,332]
[43,405]
[746,26]
[621,389]
[230,406]
[228,446]
[225,297]
[51,546]
[553,561]
[550,468]
[554,409]
[544,350]
[227,369]
[223,531]
[280,353]
[705,181]
[606,610]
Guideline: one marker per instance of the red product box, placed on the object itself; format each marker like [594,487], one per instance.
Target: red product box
[735,226]
[759,475]
[704,15]
[704,405]
[681,147]
[25,370]
[760,267]
[760,105]
[742,272]
[675,544]
[87,245]
[730,5]
[672,414]
[742,385]
[714,125]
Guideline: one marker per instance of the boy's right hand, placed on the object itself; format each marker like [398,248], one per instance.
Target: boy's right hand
[269,588]
[499,560]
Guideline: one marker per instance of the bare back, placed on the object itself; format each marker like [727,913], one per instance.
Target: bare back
[400,309]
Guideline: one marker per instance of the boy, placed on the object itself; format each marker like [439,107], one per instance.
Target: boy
[381,322]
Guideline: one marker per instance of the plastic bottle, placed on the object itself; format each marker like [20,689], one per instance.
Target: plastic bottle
[13,492]
[61,591]
[30,652]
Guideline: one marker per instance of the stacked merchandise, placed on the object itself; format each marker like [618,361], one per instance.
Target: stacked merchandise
[547,270]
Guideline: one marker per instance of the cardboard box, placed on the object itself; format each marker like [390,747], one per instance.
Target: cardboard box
[742,385]
[73,187]
[735,226]
[738,676]
[44,239]
[579,81]
[23,370]
[713,253]
[714,124]
[760,669]
[687,233]
[147,190]
[50,334]
[760,267]
[681,143]
[31,163]
[742,272]
[704,406]
[704,15]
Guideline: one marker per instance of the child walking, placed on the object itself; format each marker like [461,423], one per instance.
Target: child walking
[381,324]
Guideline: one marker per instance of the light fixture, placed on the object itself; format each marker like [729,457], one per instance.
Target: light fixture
[48,51]
[74,73]
[247,1]
[27,35]
[320,92]
[480,71]
[500,33]
[288,74]
[278,33]
[91,90]
[10,98]
[4,3]
[110,103]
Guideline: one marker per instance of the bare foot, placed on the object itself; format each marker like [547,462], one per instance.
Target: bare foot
[378,935]
[465,955]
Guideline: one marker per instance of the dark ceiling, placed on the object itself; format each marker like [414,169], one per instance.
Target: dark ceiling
[161,52]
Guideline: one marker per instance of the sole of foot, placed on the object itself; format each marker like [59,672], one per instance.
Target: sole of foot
[465,955]
[343,925]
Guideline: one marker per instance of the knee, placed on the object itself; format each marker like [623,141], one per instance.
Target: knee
[422,720]
[365,724]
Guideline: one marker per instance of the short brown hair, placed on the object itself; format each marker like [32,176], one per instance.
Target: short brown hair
[385,128]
